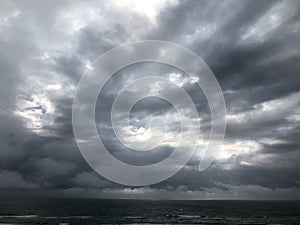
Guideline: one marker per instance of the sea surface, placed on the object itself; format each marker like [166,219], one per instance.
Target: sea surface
[97,211]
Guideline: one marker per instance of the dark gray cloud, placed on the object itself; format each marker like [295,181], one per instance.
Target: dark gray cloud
[253,48]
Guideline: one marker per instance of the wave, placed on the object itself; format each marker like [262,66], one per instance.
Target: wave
[19,216]
[189,216]
[45,217]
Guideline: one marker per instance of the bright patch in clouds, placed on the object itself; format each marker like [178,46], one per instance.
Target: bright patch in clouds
[37,112]
[150,9]
[236,148]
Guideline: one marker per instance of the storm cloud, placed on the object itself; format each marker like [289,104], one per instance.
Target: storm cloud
[252,47]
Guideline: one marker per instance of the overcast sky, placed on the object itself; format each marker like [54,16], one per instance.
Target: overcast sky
[252,47]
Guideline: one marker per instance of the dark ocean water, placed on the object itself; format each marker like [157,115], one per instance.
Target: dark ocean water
[87,211]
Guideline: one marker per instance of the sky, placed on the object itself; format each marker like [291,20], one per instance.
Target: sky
[252,47]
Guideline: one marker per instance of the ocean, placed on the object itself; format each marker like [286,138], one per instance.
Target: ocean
[99,211]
